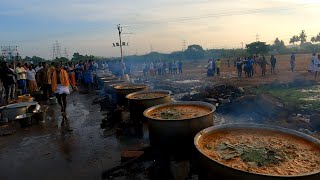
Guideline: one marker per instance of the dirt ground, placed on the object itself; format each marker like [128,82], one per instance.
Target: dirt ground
[50,151]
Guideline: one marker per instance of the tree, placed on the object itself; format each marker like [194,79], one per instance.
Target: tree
[194,52]
[256,48]
[176,55]
[294,39]
[313,39]
[278,45]
[303,37]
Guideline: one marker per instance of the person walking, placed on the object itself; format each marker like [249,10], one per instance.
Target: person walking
[31,77]
[273,62]
[218,65]
[180,66]
[292,62]
[60,86]
[22,79]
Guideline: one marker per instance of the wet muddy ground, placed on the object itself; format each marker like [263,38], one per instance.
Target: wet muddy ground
[51,151]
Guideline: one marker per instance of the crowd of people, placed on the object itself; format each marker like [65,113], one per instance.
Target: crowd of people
[54,79]
[162,68]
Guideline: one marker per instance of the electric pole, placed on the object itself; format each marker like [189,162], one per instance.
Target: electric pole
[241,45]
[120,31]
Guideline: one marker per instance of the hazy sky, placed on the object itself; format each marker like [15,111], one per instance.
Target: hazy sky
[89,26]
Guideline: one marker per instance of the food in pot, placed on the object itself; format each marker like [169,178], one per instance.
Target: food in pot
[148,95]
[262,151]
[177,112]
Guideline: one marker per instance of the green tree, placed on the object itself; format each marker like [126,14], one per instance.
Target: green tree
[278,45]
[256,48]
[176,55]
[303,37]
[194,52]
[313,40]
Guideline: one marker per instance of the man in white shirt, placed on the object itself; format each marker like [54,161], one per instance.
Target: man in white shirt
[38,67]
[21,77]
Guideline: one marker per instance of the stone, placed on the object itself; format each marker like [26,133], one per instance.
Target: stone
[127,155]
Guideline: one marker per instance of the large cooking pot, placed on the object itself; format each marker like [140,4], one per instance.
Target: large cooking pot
[137,106]
[212,169]
[123,90]
[25,120]
[108,89]
[176,136]
[11,111]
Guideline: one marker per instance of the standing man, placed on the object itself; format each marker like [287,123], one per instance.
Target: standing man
[263,65]
[273,62]
[8,82]
[218,65]
[293,62]
[21,77]
[144,69]
[180,66]
[45,81]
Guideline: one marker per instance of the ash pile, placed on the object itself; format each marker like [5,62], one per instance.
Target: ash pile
[214,94]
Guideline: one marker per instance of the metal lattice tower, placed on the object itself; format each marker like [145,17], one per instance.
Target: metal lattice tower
[9,53]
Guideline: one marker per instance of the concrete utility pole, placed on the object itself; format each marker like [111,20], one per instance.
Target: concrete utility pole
[120,31]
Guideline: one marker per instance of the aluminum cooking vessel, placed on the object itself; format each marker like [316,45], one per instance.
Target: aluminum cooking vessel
[11,111]
[123,90]
[212,169]
[176,136]
[137,106]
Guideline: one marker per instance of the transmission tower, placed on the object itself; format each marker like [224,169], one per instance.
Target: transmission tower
[257,37]
[58,54]
[9,52]
[65,53]
[54,51]
[183,45]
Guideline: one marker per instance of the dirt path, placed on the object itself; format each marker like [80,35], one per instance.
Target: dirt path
[52,152]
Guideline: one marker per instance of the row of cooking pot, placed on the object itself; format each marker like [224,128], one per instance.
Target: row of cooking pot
[182,137]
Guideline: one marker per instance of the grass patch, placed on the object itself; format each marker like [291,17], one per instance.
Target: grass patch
[295,98]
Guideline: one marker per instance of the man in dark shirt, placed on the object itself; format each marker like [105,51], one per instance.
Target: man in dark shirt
[8,81]
[45,81]
[273,62]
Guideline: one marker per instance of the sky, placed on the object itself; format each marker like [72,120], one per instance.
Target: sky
[90,26]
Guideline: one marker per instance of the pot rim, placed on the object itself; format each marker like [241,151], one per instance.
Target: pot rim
[198,103]
[255,126]
[168,93]
[140,86]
